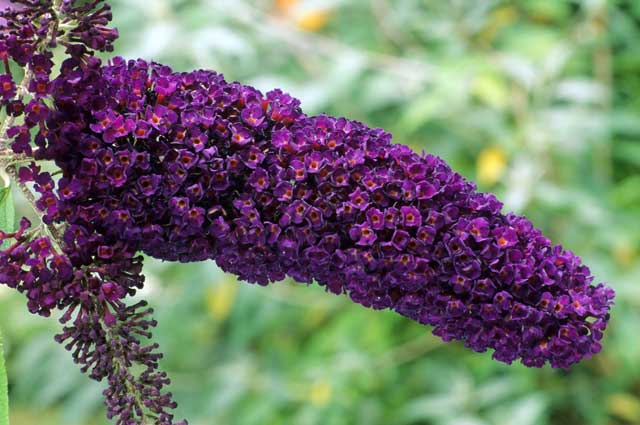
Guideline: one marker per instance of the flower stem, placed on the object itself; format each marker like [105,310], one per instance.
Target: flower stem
[4,393]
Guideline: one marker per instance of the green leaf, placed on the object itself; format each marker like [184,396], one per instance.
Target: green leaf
[4,390]
[7,209]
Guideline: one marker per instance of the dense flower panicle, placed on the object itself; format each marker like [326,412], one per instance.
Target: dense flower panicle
[83,266]
[188,167]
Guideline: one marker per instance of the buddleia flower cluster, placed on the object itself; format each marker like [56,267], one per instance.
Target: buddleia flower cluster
[189,167]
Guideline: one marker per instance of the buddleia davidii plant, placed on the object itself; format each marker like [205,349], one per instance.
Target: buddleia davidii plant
[189,167]
[106,337]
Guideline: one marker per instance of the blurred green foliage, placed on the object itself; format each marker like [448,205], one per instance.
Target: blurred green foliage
[536,100]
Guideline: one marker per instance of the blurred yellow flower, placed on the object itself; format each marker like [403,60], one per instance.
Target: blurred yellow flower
[320,393]
[624,406]
[491,165]
[306,18]
[220,298]
[313,20]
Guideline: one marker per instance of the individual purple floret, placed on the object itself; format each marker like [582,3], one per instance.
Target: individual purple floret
[188,167]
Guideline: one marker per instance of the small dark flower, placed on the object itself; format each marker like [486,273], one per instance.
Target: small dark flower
[7,88]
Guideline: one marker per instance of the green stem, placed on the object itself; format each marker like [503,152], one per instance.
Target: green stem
[4,389]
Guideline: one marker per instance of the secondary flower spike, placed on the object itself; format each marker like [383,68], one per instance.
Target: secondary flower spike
[189,167]
[85,275]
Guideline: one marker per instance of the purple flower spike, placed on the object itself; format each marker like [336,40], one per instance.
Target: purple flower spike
[250,181]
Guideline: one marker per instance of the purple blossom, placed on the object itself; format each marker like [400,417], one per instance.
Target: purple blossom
[7,87]
[411,216]
[268,192]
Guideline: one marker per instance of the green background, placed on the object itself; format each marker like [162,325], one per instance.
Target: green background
[536,100]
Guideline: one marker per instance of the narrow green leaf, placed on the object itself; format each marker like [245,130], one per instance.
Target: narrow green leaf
[4,389]
[7,209]
[7,224]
